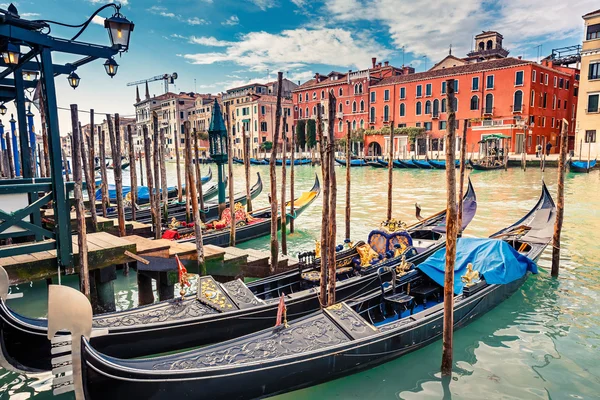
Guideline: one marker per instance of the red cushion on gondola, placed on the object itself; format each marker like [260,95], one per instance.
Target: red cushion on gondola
[170,234]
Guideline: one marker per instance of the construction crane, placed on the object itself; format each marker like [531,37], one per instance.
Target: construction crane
[166,78]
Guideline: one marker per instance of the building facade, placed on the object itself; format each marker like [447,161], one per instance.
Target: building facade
[588,108]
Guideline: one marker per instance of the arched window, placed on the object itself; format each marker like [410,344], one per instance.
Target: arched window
[300,98]
[340,92]
[419,108]
[489,45]
[455,104]
[356,89]
[306,96]
[402,110]
[354,106]
[341,107]
[436,107]
[532,104]
[372,116]
[314,95]
[386,113]
[306,112]
[553,102]
[475,103]
[362,124]
[489,103]
[428,107]
[360,88]
[322,94]
[340,126]
[315,111]
[353,125]
[300,113]
[443,109]
[362,106]
[322,109]
[518,101]
[481,46]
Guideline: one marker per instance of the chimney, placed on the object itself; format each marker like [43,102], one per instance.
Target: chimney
[374,61]
[379,65]
[519,57]
[386,63]
[408,70]
[317,76]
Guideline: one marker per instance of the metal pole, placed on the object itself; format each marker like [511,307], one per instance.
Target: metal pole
[22,121]
[32,145]
[15,145]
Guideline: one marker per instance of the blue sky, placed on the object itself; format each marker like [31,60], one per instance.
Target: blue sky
[217,44]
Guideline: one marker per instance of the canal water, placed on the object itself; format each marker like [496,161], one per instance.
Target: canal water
[542,343]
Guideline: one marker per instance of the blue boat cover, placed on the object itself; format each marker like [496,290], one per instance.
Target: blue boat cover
[143,192]
[583,164]
[495,260]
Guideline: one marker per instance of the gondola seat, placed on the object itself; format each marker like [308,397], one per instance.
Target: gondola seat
[425,292]
[241,218]
[383,241]
[315,276]
[401,302]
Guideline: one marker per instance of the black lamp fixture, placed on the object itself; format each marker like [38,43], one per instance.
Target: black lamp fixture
[11,54]
[73,79]
[30,75]
[111,67]
[3,109]
[119,29]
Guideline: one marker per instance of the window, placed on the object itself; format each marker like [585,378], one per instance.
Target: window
[341,108]
[419,90]
[475,83]
[306,96]
[444,87]
[418,108]
[306,112]
[314,111]
[590,136]
[546,79]
[489,82]
[456,85]
[263,110]
[402,93]
[402,110]
[386,95]
[593,32]
[428,89]
[372,115]
[593,103]
[386,113]
[594,72]
[354,106]
[567,84]
[489,103]
[372,97]
[427,126]
[362,106]
[555,81]
[474,103]
[314,95]
[322,94]
[442,125]
[362,124]
[436,107]
[519,78]
[428,107]
[533,75]
[263,126]
[554,102]
[360,88]
[300,113]
[455,104]
[532,103]
[300,98]
[558,106]
[443,109]
[518,101]
[353,125]
[340,92]
[561,83]
[545,99]
[340,126]
[418,124]
[552,123]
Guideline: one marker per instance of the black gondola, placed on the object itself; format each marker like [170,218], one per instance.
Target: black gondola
[237,160]
[378,163]
[175,325]
[485,167]
[581,166]
[340,340]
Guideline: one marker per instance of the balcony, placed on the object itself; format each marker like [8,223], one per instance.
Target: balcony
[435,115]
[488,110]
[517,109]
[339,115]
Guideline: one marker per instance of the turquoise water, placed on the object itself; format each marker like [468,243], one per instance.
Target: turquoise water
[542,343]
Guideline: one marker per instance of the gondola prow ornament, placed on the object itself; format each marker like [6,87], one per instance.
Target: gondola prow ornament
[184,278]
[281,313]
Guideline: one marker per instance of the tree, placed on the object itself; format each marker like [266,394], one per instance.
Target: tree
[311,137]
[301,133]
[266,146]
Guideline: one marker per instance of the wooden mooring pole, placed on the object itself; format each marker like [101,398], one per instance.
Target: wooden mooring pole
[246,150]
[198,174]
[560,201]
[157,184]
[321,141]
[332,231]
[132,173]
[463,168]
[194,199]
[89,178]
[451,233]
[163,175]
[92,169]
[141,168]
[150,183]
[274,210]
[178,167]
[84,278]
[390,172]
[230,177]
[115,146]
[292,160]
[283,179]
[348,180]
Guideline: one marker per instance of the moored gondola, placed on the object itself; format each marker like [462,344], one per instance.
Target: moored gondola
[399,164]
[200,321]
[237,160]
[255,161]
[339,340]
[581,166]
[358,162]
[441,164]
[486,167]
[423,164]
[378,163]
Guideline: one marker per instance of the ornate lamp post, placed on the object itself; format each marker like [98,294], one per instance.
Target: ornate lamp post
[217,139]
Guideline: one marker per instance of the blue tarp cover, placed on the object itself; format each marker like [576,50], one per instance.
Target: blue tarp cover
[143,192]
[495,260]
[583,164]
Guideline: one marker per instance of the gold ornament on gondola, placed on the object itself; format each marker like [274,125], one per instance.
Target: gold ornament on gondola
[403,267]
[470,277]
[391,225]
[317,249]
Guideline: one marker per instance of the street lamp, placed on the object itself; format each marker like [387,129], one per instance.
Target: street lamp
[217,140]
[2,109]
[73,79]
[119,29]
[11,54]
[30,75]
[111,67]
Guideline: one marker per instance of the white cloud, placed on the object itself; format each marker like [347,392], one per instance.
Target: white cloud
[231,21]
[264,4]
[196,21]
[163,12]
[296,48]
[98,20]
[209,41]
[123,2]
[299,3]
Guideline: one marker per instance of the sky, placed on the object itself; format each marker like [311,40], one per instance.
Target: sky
[218,44]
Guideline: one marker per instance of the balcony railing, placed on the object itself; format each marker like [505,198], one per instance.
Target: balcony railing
[435,115]
[488,110]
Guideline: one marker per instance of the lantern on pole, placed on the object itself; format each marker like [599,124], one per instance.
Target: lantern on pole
[217,139]
[119,29]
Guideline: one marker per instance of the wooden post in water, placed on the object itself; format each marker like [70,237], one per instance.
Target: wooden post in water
[524,154]
[292,159]
[332,231]
[230,176]
[560,201]
[246,150]
[283,178]
[115,145]
[580,148]
[390,173]
[103,174]
[157,184]
[321,140]
[274,210]
[348,180]
[132,173]
[141,168]
[84,273]
[188,182]
[163,175]
[589,155]
[543,155]
[89,178]
[194,199]
[64,158]
[92,164]
[198,175]
[178,167]
[149,180]
[451,233]
[463,167]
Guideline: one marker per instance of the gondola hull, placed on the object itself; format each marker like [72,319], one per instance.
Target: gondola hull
[353,163]
[436,164]
[581,166]
[480,167]
[408,164]
[421,164]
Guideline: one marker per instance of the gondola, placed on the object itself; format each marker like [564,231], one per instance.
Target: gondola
[237,160]
[581,166]
[353,163]
[248,225]
[300,161]
[125,165]
[441,164]
[408,164]
[255,161]
[422,164]
[175,325]
[398,164]
[378,163]
[339,340]
[482,167]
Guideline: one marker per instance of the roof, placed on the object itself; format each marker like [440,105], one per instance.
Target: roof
[246,86]
[448,57]
[458,70]
[485,33]
[591,14]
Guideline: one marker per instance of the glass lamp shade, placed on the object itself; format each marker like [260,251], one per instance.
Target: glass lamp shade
[111,67]
[73,79]
[3,109]
[11,54]
[30,75]
[119,30]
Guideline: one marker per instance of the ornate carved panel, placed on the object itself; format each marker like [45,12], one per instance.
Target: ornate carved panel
[240,293]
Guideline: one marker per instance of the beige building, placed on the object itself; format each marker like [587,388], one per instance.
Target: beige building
[588,106]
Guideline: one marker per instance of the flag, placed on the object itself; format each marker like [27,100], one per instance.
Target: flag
[281,311]
[183,276]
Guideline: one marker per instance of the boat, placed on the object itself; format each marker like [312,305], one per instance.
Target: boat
[353,163]
[581,166]
[336,341]
[398,164]
[441,164]
[248,225]
[300,161]
[423,164]
[408,164]
[486,167]
[237,160]
[125,165]
[378,163]
[198,320]
[255,161]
